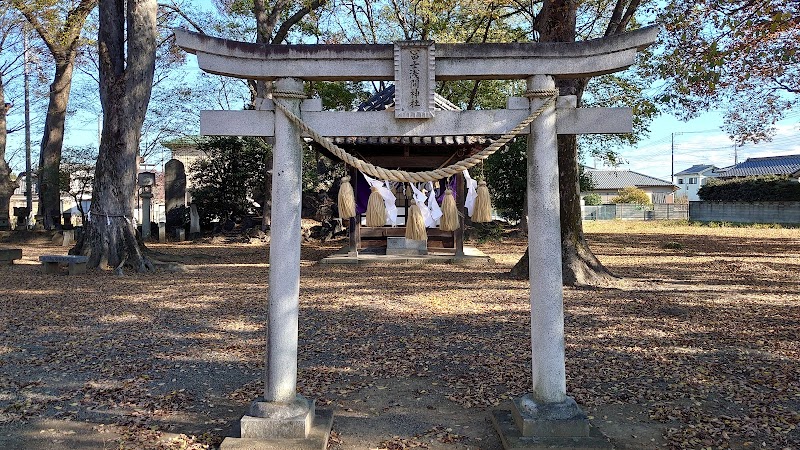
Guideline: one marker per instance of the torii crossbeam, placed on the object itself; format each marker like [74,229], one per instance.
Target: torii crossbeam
[542,418]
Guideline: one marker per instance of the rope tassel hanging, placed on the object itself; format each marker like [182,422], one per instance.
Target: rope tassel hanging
[449,220]
[347,199]
[483,204]
[376,209]
[415,224]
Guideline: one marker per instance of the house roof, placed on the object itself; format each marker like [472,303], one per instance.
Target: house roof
[770,165]
[618,179]
[697,169]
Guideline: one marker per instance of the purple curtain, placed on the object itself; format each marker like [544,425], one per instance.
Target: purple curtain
[363,190]
[452,186]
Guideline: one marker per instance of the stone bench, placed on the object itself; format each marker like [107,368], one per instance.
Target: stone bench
[76,264]
[8,255]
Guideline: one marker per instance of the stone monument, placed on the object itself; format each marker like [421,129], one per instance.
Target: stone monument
[175,193]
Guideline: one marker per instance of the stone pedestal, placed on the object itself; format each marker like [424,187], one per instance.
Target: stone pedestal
[69,238]
[278,420]
[146,216]
[316,438]
[194,221]
[534,425]
[403,246]
[295,424]
[162,232]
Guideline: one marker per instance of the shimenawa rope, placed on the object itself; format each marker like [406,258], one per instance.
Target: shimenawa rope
[414,177]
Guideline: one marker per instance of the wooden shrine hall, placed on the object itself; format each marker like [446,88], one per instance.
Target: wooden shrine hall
[411,153]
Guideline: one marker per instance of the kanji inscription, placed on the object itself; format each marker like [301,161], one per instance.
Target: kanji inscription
[414,77]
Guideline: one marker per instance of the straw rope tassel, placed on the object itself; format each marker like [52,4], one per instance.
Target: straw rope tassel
[482,212]
[347,199]
[376,209]
[449,220]
[415,225]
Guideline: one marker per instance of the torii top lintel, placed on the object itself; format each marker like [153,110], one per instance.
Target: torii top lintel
[453,61]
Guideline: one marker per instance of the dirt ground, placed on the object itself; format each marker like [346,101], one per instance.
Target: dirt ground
[695,347]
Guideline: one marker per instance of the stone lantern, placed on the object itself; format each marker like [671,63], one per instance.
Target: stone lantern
[146,181]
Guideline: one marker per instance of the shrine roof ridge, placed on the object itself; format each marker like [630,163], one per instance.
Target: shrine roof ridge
[454,61]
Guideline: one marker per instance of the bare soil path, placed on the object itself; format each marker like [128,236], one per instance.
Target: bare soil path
[696,347]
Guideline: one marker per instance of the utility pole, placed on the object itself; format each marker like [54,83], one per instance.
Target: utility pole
[28,175]
[735,153]
[672,170]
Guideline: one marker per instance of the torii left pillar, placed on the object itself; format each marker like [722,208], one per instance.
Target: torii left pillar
[283,418]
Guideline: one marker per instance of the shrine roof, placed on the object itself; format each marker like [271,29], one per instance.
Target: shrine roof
[384,100]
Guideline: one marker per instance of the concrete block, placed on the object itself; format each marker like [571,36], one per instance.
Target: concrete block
[273,420]
[69,238]
[317,438]
[8,255]
[563,419]
[76,263]
[403,246]
[512,439]
[76,268]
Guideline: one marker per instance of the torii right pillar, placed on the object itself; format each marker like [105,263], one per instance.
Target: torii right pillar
[546,417]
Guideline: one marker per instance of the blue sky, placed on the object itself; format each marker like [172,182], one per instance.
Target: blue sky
[700,141]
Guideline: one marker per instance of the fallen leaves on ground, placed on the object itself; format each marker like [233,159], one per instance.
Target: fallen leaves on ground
[703,338]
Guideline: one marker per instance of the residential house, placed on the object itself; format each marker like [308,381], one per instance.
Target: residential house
[787,165]
[608,183]
[690,180]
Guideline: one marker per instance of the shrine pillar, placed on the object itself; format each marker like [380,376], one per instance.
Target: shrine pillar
[282,413]
[544,245]
[284,255]
[546,417]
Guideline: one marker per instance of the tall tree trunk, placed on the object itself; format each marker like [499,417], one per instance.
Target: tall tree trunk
[53,141]
[6,185]
[60,30]
[125,86]
[556,23]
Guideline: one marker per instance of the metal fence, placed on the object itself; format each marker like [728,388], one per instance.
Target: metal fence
[624,211]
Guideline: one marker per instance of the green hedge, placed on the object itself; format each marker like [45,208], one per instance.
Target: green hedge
[768,188]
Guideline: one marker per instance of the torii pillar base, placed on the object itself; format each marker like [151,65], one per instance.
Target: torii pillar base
[531,425]
[295,425]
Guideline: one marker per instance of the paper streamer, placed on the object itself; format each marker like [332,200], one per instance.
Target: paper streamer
[420,198]
[472,192]
[384,189]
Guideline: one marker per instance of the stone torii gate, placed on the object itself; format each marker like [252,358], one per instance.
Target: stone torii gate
[546,416]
